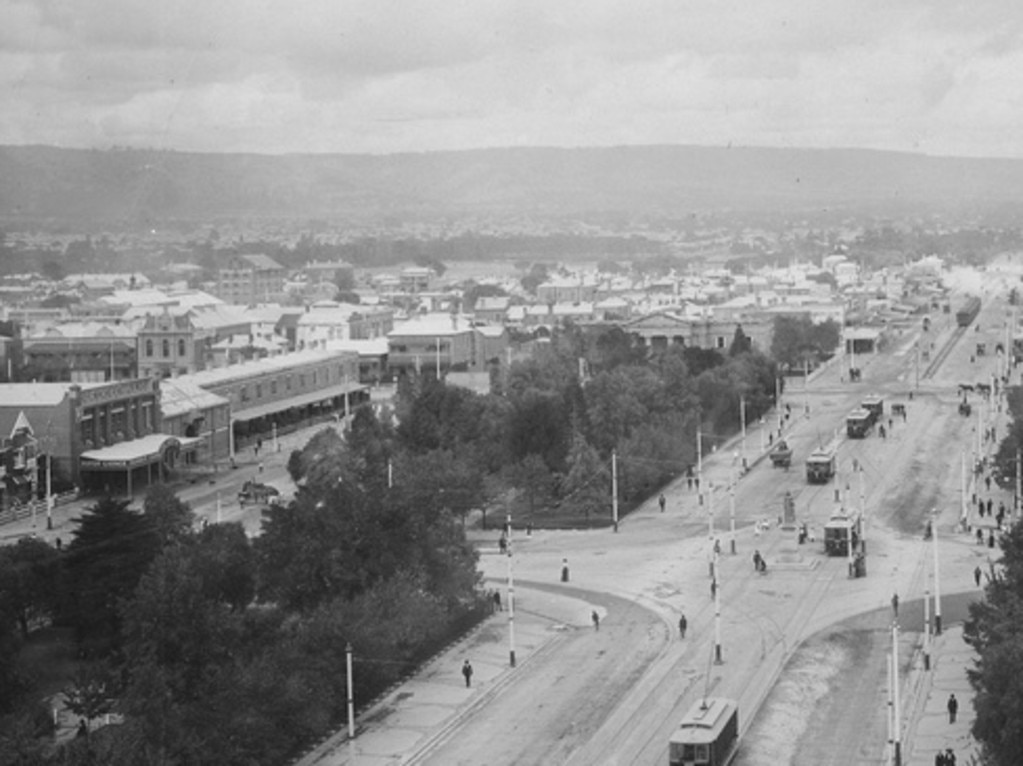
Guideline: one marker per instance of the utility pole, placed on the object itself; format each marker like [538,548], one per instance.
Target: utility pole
[962,485]
[806,386]
[927,629]
[742,418]
[350,689]
[710,512]
[896,712]
[390,473]
[277,446]
[717,613]
[218,506]
[49,474]
[614,489]
[777,401]
[731,513]
[699,463]
[511,595]
[937,579]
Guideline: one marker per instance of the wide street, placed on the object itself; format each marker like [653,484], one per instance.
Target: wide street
[615,696]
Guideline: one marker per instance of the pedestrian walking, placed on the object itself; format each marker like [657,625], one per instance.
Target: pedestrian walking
[497,601]
[950,757]
[991,539]
[467,673]
[661,501]
[713,588]
[990,505]
[980,536]
[564,570]
[689,483]
[756,560]
[502,543]
[596,620]
[953,707]
[891,424]
[682,625]
[976,575]
[987,483]
[895,604]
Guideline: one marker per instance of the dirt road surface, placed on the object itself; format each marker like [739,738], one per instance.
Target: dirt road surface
[614,697]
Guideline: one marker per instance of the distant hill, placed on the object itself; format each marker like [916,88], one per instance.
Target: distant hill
[135,186]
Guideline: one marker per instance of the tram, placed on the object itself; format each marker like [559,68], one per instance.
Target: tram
[874,404]
[708,734]
[820,466]
[858,423]
[968,312]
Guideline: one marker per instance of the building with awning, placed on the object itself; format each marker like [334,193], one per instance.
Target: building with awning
[154,451]
[282,392]
[71,420]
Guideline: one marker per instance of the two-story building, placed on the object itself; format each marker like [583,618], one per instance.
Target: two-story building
[103,436]
[79,352]
[169,345]
[442,342]
[282,392]
[327,321]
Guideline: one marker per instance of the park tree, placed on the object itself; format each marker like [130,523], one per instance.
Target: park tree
[585,489]
[110,550]
[28,582]
[995,630]
[741,344]
[171,517]
[539,425]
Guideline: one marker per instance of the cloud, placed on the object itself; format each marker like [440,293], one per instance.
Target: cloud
[396,75]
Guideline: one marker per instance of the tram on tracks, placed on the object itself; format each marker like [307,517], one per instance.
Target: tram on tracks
[858,423]
[820,466]
[968,312]
[873,404]
[708,734]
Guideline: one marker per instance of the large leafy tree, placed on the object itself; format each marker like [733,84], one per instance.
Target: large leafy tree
[995,630]
[28,582]
[109,552]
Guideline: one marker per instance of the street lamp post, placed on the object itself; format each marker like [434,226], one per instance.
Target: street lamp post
[277,446]
[742,418]
[937,580]
[349,686]
[731,513]
[896,712]
[614,489]
[511,595]
[717,611]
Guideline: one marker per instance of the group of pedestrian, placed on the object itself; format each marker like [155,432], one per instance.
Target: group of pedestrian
[946,758]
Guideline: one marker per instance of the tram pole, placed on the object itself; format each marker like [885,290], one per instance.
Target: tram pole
[742,419]
[614,489]
[511,595]
[896,712]
[937,580]
[890,705]
[717,614]
[927,629]
[699,463]
[963,512]
[350,691]
[710,512]
[1019,481]
[731,513]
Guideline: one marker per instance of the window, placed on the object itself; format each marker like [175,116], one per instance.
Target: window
[287,383]
[301,381]
[273,387]
[243,393]
[720,341]
[166,347]
[181,347]
[259,390]
[149,347]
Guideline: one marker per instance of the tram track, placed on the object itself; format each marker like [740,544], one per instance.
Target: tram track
[943,354]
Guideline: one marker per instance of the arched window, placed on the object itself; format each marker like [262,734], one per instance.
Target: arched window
[181,347]
[166,347]
[149,347]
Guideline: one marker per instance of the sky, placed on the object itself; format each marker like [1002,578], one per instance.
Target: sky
[386,76]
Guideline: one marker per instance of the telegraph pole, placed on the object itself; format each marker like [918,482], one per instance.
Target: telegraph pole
[896,712]
[742,418]
[927,629]
[937,580]
[731,512]
[349,686]
[699,463]
[614,488]
[717,613]
[511,596]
